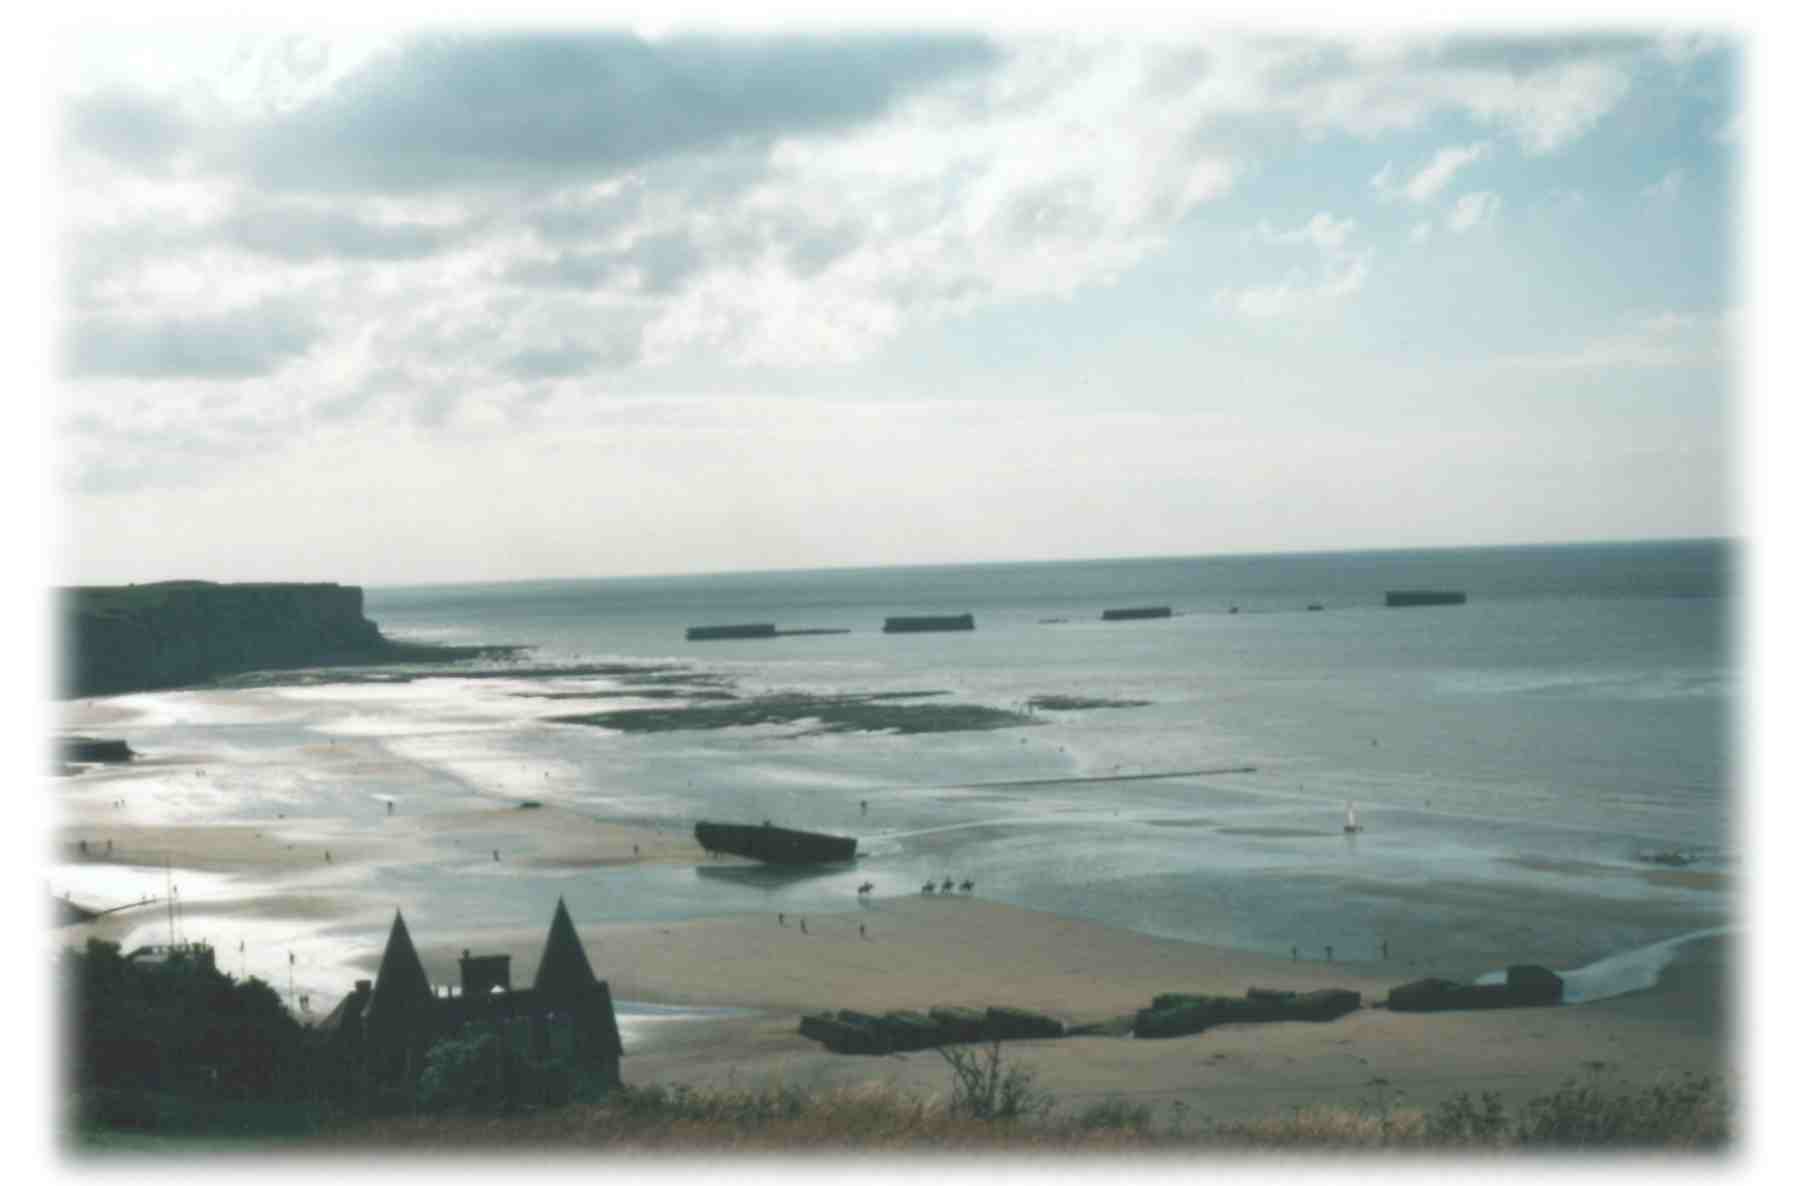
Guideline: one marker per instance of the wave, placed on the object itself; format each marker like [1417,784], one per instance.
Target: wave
[1649,685]
[1629,971]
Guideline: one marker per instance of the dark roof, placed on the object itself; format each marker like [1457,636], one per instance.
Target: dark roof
[344,1019]
[563,973]
[402,994]
[608,1037]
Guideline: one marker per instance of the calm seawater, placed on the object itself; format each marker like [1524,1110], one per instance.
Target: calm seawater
[1578,710]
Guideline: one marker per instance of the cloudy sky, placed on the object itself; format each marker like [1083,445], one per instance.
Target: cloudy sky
[468,305]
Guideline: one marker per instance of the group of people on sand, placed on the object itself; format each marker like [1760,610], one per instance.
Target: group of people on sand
[1330,952]
[861,927]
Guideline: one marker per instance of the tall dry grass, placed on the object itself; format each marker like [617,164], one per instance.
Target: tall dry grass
[1691,1115]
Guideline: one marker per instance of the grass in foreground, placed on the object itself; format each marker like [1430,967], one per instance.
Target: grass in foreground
[1689,1115]
[471,1099]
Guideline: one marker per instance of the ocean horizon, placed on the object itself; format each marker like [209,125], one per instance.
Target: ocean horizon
[1731,543]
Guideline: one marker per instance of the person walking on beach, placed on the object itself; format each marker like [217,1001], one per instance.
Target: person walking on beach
[802,929]
[863,928]
[782,918]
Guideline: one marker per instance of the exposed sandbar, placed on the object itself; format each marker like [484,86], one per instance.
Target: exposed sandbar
[854,713]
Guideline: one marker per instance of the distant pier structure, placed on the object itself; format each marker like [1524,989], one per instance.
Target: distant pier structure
[1134,613]
[1408,597]
[746,630]
[922,623]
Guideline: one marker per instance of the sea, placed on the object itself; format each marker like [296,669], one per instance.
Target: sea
[1549,767]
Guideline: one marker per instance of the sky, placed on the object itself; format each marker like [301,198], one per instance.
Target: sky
[471,303]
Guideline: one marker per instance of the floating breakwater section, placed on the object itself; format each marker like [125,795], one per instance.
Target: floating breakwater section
[927,623]
[1400,598]
[1135,613]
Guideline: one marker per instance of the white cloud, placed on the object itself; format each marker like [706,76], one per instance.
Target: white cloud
[1300,292]
[1667,188]
[458,267]
[1683,48]
[1054,171]
[1667,339]
[1434,177]
[1670,322]
[1382,184]
[1322,231]
[1471,210]
[1543,107]
[1339,273]
[1551,111]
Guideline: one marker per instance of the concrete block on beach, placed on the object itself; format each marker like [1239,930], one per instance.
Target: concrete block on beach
[959,1024]
[94,749]
[1525,985]
[1007,1024]
[1532,984]
[1174,1015]
[909,1030]
[841,1036]
[847,1031]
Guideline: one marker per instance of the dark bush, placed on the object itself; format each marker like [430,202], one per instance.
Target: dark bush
[474,1072]
[178,1025]
[464,1073]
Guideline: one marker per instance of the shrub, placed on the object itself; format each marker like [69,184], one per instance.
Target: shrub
[986,1089]
[1690,1113]
[1115,1113]
[463,1073]
[178,1025]
[474,1072]
[1459,1121]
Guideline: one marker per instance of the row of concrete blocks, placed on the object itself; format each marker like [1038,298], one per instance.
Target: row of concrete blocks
[1175,1015]
[846,1031]
[1169,1015]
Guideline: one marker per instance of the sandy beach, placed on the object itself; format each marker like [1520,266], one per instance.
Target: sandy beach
[899,948]
[920,952]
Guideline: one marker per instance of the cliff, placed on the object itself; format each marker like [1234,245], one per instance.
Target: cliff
[175,633]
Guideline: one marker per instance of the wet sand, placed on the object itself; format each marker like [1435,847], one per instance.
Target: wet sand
[920,951]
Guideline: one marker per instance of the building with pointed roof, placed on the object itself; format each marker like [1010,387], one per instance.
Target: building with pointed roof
[382,1030]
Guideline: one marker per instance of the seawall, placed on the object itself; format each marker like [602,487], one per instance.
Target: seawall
[178,633]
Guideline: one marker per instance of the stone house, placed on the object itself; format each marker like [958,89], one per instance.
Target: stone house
[381,1031]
